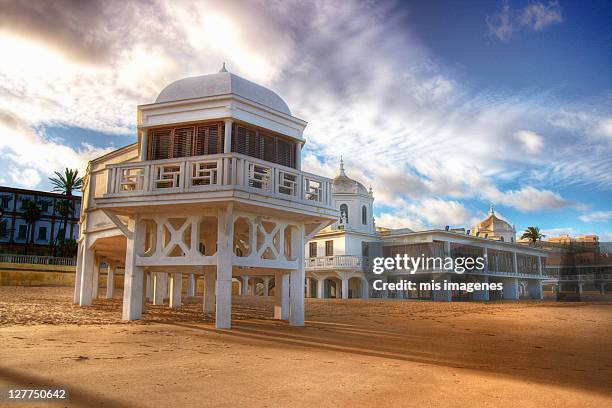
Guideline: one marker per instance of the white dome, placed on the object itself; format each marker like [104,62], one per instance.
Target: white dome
[343,184]
[221,83]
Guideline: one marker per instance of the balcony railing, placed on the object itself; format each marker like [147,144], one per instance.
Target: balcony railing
[36,260]
[214,172]
[336,262]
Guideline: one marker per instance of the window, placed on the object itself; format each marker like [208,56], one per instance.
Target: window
[365,249]
[186,141]
[344,212]
[329,248]
[42,234]
[364,215]
[263,145]
[22,232]
[5,201]
[312,249]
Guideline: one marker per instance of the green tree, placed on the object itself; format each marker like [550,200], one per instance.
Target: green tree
[533,234]
[66,183]
[31,214]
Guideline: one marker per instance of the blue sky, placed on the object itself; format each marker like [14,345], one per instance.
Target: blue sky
[443,107]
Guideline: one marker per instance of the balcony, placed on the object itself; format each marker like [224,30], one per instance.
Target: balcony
[217,173]
[336,262]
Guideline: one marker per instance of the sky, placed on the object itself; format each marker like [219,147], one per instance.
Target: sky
[444,108]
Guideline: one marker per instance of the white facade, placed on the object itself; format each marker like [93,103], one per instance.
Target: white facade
[338,257]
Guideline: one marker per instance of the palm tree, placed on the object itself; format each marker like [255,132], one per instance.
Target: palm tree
[31,214]
[533,234]
[66,184]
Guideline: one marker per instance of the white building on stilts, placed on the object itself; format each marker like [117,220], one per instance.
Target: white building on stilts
[213,188]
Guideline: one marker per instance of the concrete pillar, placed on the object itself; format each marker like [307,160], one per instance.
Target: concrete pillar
[320,288]
[86,274]
[365,289]
[225,239]
[442,295]
[209,293]
[133,290]
[480,294]
[245,285]
[144,143]
[534,288]
[485,255]
[95,285]
[345,291]
[514,263]
[602,288]
[158,288]
[227,140]
[297,281]
[176,289]
[166,286]
[510,291]
[191,285]
[281,296]
[79,272]
[539,265]
[149,287]
[400,293]
[266,288]
[110,281]
[580,288]
[384,294]
[308,287]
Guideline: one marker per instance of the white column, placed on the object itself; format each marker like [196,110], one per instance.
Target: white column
[225,239]
[534,288]
[158,288]
[176,287]
[110,281]
[308,287]
[87,273]
[320,288]
[539,265]
[144,145]
[281,296]
[485,255]
[95,285]
[296,289]
[442,295]
[510,290]
[298,156]
[209,293]
[227,143]
[166,283]
[514,263]
[78,272]
[245,285]
[133,281]
[266,288]
[345,288]
[480,294]
[365,288]
[149,286]
[191,285]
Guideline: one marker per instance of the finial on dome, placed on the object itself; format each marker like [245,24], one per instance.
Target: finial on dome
[370,190]
[223,68]
[491,210]
[342,167]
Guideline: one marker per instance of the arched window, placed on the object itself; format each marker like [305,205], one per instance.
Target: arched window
[344,212]
[364,215]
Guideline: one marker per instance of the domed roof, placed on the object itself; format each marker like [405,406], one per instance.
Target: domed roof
[221,83]
[342,184]
[494,223]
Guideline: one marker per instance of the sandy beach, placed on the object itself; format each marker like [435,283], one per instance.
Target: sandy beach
[355,352]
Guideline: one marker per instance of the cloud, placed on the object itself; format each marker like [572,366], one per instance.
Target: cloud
[28,177]
[529,198]
[537,15]
[532,142]
[500,25]
[596,216]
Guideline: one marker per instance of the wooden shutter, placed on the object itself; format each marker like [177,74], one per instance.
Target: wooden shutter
[182,141]
[312,249]
[285,152]
[160,144]
[239,141]
[207,140]
[268,147]
[329,248]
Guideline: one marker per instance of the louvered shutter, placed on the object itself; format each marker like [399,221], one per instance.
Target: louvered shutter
[182,141]
[239,142]
[268,147]
[285,153]
[160,144]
